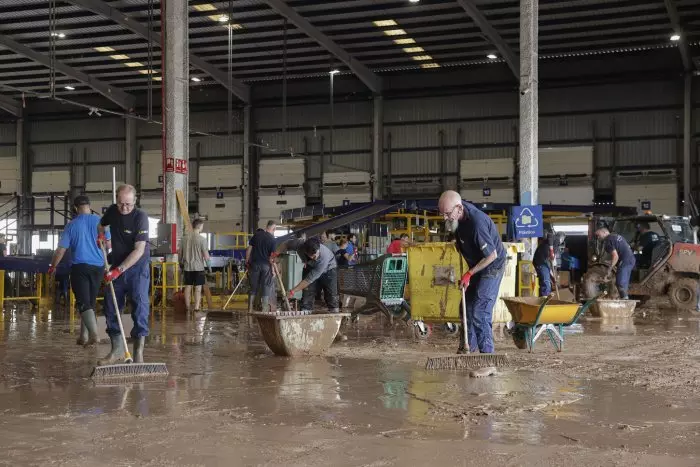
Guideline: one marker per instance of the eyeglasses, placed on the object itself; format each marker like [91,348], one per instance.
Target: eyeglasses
[125,205]
[449,214]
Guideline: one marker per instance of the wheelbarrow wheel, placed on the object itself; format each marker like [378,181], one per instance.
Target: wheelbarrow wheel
[451,329]
[422,330]
[519,339]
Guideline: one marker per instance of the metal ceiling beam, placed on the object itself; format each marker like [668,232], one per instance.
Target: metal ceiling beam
[238,88]
[367,76]
[506,52]
[683,43]
[116,95]
[10,105]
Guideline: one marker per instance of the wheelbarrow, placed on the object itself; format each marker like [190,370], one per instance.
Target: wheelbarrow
[534,316]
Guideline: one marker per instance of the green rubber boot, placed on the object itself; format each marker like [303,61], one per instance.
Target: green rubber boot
[83,338]
[116,354]
[90,325]
[139,343]
[251,304]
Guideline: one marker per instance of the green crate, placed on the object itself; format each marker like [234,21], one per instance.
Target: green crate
[393,278]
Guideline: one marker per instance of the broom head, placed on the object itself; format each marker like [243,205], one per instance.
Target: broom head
[130,371]
[466,362]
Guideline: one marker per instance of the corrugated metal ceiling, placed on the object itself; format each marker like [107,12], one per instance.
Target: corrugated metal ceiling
[440,28]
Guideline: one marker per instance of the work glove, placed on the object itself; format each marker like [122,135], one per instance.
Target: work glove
[112,274]
[551,254]
[52,269]
[466,278]
[290,294]
[101,240]
[209,266]
[274,255]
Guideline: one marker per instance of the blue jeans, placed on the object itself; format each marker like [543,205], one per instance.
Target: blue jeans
[481,298]
[544,279]
[134,282]
[622,279]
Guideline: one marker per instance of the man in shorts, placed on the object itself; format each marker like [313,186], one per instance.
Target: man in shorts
[194,256]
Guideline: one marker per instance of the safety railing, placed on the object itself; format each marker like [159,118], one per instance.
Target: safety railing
[164,286]
[38,290]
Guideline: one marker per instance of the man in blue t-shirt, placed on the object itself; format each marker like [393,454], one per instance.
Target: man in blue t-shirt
[80,237]
[130,271]
[622,257]
[479,242]
[260,273]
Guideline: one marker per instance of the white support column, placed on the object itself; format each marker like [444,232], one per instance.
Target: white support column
[176,107]
[24,183]
[247,190]
[687,137]
[378,146]
[528,107]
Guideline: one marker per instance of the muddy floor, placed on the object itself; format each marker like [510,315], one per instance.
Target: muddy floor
[621,393]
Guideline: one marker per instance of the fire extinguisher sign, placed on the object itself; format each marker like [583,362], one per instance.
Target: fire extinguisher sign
[180,166]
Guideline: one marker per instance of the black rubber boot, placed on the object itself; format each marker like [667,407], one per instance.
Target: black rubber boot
[139,343]
[116,354]
[83,338]
[90,325]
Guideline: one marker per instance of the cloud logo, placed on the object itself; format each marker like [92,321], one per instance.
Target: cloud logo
[526,219]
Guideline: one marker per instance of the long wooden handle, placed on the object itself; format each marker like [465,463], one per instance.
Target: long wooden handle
[235,290]
[284,292]
[464,319]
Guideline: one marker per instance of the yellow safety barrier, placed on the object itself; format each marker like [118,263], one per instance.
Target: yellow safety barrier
[40,278]
[527,279]
[240,240]
[163,287]
[71,303]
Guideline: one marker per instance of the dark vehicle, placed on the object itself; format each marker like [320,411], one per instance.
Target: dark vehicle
[674,269]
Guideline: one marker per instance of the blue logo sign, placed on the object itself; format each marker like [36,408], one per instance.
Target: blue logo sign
[219,195]
[486,191]
[527,221]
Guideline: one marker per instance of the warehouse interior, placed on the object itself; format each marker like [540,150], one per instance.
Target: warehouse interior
[351,118]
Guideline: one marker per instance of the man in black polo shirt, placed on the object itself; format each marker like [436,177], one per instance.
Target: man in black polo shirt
[260,274]
[129,273]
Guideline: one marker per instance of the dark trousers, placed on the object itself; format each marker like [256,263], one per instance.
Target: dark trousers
[262,281]
[328,282]
[543,276]
[85,280]
[622,279]
[135,283]
[481,295]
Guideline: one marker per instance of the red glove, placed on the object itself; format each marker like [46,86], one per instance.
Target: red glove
[52,269]
[112,274]
[290,294]
[466,278]
[274,255]
[551,254]
[101,239]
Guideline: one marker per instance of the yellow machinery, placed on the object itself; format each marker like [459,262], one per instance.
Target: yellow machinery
[40,279]
[231,240]
[161,269]
[434,271]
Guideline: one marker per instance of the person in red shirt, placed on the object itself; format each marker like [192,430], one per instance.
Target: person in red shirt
[397,245]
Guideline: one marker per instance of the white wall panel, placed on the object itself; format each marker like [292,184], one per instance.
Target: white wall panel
[498,195]
[566,195]
[278,172]
[151,169]
[226,209]
[663,196]
[217,176]
[565,161]
[152,203]
[271,204]
[51,181]
[9,175]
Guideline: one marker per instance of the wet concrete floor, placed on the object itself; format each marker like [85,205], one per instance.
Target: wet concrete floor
[219,365]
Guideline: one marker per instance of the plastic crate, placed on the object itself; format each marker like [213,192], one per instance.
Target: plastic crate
[383,279]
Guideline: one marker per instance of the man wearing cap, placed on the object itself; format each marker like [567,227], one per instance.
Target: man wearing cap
[130,271]
[80,237]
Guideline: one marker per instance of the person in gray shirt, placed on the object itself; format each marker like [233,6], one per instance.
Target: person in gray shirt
[320,270]
[328,239]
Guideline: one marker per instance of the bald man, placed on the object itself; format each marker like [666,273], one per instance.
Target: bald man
[479,242]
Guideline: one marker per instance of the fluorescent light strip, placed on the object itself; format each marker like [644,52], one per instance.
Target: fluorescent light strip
[406,41]
[120,57]
[384,23]
[394,32]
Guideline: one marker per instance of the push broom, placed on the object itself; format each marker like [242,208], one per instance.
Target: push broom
[469,361]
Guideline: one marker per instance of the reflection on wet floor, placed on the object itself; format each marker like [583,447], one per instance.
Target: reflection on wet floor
[220,366]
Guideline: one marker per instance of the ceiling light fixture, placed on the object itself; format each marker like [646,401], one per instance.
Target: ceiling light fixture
[69,88]
[413,50]
[394,32]
[404,41]
[430,65]
[196,79]
[384,23]
[334,72]
[492,56]
[222,19]
[104,49]
[133,64]
[675,37]
[422,58]
[60,35]
[414,1]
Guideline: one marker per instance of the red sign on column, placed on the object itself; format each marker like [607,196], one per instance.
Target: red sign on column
[169,164]
[180,166]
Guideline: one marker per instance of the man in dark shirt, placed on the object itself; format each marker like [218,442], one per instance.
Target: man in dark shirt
[129,272]
[622,256]
[479,242]
[261,275]
[646,242]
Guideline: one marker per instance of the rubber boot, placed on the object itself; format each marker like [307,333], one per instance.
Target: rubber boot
[251,304]
[83,338]
[265,305]
[116,354]
[139,343]
[90,324]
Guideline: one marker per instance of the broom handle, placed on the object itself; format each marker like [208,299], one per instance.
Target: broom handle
[284,292]
[127,355]
[235,290]
[464,318]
